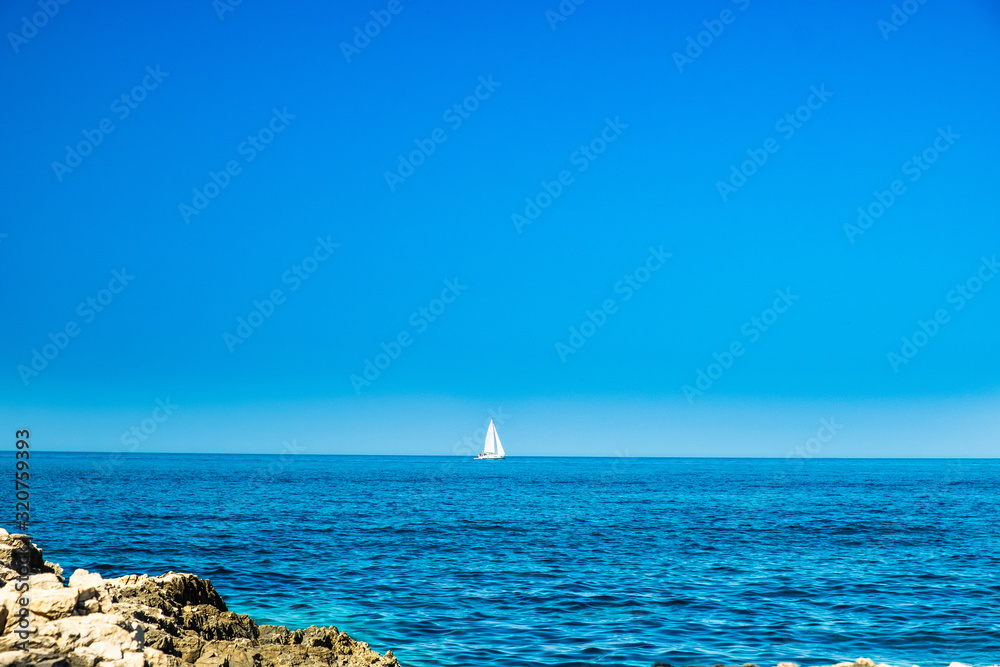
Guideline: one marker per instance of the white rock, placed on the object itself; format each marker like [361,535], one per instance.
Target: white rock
[103,649]
[44,582]
[53,604]
[16,658]
[83,631]
[155,658]
[128,660]
[84,579]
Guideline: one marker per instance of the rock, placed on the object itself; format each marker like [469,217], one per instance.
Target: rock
[156,658]
[173,620]
[209,623]
[168,591]
[160,640]
[48,599]
[188,648]
[84,631]
[14,658]
[131,659]
[55,662]
[52,604]
[105,650]
[16,550]
[275,634]
[82,579]
[48,582]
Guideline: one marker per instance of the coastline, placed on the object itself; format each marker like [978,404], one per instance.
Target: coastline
[170,620]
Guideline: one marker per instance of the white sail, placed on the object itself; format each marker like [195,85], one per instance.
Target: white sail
[492,449]
[490,437]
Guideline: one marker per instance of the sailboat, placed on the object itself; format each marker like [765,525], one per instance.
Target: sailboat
[492,449]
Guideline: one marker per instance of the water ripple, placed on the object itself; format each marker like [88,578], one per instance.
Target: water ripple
[547,562]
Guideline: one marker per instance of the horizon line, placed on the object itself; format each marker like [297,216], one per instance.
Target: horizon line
[456,456]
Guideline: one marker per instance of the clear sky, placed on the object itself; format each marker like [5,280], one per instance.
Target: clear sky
[592,204]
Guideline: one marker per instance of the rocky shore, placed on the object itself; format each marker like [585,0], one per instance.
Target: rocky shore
[173,620]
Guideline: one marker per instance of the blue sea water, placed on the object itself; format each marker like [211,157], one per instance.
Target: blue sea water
[560,561]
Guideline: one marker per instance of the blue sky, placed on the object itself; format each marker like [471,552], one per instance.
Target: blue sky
[599,100]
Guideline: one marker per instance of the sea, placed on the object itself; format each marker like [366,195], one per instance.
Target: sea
[559,561]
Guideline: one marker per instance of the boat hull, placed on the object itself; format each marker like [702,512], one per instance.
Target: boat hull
[489,457]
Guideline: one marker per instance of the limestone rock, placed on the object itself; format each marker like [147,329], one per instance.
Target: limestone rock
[208,622]
[16,549]
[188,648]
[173,620]
[52,604]
[167,592]
[156,658]
[82,579]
